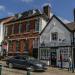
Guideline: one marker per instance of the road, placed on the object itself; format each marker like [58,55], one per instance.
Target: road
[49,71]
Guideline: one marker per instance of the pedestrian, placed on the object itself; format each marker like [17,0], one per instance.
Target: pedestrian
[70,63]
[61,61]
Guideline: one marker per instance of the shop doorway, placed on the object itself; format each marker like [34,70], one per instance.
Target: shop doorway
[74,56]
[35,52]
[53,58]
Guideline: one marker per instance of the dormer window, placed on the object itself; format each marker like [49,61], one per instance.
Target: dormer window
[54,36]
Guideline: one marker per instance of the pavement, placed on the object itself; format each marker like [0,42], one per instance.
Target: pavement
[49,71]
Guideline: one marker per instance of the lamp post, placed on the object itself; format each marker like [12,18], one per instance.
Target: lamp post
[72,61]
[72,45]
[38,47]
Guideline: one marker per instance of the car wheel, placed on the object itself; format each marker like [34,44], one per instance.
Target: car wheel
[10,65]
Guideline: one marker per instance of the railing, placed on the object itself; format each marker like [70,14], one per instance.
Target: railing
[55,44]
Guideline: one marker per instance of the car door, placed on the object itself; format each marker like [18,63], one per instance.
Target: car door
[23,63]
[16,61]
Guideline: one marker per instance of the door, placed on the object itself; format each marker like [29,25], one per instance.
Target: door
[74,56]
[53,58]
[35,52]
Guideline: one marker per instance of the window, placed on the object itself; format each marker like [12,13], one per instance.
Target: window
[27,45]
[23,27]
[9,30]
[17,45]
[20,25]
[37,25]
[45,53]
[35,43]
[16,28]
[54,36]
[27,26]
[5,32]
[10,45]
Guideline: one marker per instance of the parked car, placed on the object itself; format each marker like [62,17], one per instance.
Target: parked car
[26,62]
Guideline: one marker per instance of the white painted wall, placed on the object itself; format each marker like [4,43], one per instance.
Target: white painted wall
[55,26]
[1,37]
[63,33]
[42,24]
[1,33]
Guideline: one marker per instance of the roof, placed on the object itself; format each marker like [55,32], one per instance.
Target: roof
[28,14]
[4,19]
[7,19]
[54,16]
[71,26]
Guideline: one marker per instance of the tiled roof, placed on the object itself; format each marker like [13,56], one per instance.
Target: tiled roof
[4,19]
[27,15]
[71,26]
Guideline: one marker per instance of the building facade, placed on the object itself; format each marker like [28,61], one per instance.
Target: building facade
[22,33]
[56,43]
[3,45]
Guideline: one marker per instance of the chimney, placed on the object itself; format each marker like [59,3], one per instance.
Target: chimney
[74,14]
[47,10]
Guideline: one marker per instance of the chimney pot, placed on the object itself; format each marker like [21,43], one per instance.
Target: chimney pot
[47,10]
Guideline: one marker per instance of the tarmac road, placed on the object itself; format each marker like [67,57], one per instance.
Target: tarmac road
[49,71]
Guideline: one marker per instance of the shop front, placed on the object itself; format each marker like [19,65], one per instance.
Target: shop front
[57,56]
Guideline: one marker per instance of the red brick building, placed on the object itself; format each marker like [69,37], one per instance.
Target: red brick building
[21,34]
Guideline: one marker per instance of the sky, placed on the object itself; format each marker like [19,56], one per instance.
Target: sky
[61,8]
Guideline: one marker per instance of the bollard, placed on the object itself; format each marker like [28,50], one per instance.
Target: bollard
[28,71]
[0,69]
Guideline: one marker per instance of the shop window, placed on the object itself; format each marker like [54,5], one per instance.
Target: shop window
[35,43]
[17,45]
[44,53]
[26,45]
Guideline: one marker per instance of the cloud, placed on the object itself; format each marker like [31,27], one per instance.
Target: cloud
[10,13]
[2,8]
[27,1]
[46,4]
[64,20]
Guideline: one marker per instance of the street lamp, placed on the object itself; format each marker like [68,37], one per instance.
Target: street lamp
[72,44]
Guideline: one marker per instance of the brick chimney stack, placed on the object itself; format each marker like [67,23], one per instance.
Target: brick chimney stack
[47,10]
[74,14]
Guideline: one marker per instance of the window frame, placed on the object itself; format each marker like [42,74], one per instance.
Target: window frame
[27,26]
[54,36]
[37,25]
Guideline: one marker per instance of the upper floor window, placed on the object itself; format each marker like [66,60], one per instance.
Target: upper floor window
[37,25]
[16,28]
[54,36]
[5,30]
[23,27]
[20,25]
[9,30]
[27,26]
